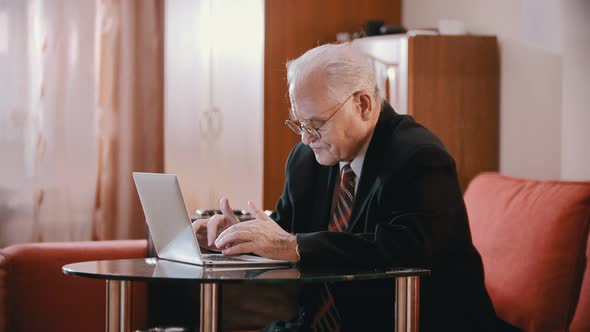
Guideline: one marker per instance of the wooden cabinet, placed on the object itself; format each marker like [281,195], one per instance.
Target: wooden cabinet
[453,89]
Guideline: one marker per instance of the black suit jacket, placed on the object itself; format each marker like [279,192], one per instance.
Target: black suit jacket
[408,211]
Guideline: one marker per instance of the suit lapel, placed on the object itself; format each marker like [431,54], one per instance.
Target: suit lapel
[322,197]
[373,158]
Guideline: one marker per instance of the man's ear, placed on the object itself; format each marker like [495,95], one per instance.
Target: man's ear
[366,105]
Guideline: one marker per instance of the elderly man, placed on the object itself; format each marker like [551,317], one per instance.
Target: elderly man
[365,187]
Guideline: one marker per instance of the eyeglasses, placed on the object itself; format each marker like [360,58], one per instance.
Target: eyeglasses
[299,128]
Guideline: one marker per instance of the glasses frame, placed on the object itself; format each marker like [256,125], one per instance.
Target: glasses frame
[299,128]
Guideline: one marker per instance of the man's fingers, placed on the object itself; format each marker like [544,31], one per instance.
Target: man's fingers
[240,248]
[236,227]
[199,224]
[215,223]
[226,236]
[235,234]
[227,211]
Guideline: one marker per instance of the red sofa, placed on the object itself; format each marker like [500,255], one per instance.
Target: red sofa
[533,239]
[532,235]
[36,296]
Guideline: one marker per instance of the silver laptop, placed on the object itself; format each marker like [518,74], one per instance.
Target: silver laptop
[170,225]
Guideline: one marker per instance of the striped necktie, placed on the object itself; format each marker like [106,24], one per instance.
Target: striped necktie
[339,221]
[327,317]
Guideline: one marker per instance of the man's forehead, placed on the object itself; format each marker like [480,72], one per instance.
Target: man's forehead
[309,104]
[308,107]
[308,96]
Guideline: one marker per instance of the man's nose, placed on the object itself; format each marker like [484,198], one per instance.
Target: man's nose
[306,138]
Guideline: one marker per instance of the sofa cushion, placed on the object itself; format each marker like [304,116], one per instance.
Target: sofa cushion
[36,296]
[532,238]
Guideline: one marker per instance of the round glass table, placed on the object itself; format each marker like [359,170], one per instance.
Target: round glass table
[120,273]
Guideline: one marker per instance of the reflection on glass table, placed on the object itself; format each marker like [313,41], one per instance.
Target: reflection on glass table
[120,273]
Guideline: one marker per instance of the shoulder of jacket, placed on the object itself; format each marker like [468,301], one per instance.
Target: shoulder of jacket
[410,142]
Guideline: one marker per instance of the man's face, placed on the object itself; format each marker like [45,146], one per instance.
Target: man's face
[341,137]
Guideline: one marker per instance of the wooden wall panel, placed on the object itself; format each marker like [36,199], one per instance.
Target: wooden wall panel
[291,28]
[453,89]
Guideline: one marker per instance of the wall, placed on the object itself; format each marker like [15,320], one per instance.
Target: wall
[543,51]
[213,101]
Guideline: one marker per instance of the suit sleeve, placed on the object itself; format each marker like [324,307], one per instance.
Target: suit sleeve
[413,224]
[283,210]
[282,213]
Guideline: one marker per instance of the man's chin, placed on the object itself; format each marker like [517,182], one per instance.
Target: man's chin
[325,159]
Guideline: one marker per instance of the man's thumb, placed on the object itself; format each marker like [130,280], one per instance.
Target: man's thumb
[256,211]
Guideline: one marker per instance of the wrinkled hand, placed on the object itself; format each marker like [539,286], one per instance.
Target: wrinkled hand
[261,236]
[207,230]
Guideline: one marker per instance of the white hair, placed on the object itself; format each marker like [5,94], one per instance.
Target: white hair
[347,70]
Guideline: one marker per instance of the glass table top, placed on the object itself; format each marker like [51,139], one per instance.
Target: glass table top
[153,269]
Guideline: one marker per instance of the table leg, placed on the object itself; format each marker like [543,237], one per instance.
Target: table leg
[407,304]
[118,306]
[210,307]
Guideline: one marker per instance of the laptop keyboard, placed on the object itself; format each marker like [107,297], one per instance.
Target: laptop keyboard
[219,258]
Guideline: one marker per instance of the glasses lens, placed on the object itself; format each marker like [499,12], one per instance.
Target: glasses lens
[298,129]
[293,126]
[313,132]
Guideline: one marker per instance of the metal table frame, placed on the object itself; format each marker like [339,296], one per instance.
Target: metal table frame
[118,305]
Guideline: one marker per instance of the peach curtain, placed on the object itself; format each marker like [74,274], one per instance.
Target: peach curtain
[130,86]
[81,107]
[47,129]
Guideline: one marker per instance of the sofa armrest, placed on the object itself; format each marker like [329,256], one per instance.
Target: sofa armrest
[36,296]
